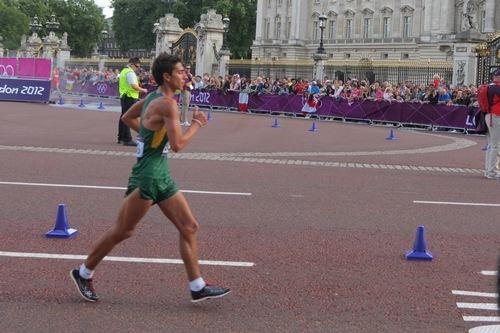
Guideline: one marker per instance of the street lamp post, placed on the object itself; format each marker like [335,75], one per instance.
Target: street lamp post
[225,23]
[52,24]
[35,25]
[104,36]
[322,24]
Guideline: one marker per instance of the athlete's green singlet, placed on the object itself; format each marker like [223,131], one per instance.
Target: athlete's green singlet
[151,173]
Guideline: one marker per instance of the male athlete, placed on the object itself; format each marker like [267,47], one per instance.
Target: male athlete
[156,120]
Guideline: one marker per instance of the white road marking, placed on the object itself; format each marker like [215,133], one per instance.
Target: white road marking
[489,273]
[485,329]
[123,259]
[473,293]
[481,318]
[116,188]
[456,203]
[479,306]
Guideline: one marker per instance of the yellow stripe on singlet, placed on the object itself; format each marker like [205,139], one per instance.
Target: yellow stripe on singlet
[158,137]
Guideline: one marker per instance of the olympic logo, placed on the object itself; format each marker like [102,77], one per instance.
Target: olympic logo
[101,88]
[7,70]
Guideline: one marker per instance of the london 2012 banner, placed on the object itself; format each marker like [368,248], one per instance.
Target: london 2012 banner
[25,79]
[24,90]
[32,68]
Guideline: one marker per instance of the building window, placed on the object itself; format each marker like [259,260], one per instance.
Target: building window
[315,30]
[347,56]
[348,28]
[386,29]
[280,2]
[277,32]
[407,26]
[385,55]
[405,56]
[367,27]
[331,30]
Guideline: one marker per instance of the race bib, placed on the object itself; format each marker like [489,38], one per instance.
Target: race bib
[139,152]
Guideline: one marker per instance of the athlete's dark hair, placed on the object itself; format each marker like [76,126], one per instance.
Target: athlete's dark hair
[164,63]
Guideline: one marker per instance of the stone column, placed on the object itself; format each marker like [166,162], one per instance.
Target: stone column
[427,21]
[489,8]
[447,16]
[319,66]
[169,31]
[210,34]
[64,53]
[1,46]
[224,62]
[260,13]
[464,64]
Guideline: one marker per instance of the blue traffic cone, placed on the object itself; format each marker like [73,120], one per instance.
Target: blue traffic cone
[275,124]
[391,136]
[101,106]
[419,251]
[81,104]
[61,229]
[485,148]
[209,116]
[313,127]
[61,101]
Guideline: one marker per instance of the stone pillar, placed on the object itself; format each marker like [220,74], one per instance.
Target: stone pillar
[427,21]
[258,28]
[319,66]
[447,16]
[224,56]
[167,32]
[64,53]
[464,64]
[489,8]
[1,46]
[210,33]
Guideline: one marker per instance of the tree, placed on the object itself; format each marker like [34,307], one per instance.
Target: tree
[83,20]
[133,23]
[133,20]
[13,24]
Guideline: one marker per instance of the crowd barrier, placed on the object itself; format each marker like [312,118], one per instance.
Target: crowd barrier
[21,90]
[26,68]
[454,116]
[25,79]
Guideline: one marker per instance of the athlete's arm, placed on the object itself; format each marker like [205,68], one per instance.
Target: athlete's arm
[176,138]
[131,117]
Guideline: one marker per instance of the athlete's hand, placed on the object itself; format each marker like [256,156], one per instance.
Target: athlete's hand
[199,116]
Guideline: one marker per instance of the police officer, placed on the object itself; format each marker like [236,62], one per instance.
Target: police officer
[129,94]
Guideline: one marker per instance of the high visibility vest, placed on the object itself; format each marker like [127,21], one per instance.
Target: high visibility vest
[124,87]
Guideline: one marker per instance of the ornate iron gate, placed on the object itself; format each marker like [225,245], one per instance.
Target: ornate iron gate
[185,48]
[488,58]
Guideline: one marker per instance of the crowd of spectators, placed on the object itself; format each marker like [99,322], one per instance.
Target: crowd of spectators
[436,92]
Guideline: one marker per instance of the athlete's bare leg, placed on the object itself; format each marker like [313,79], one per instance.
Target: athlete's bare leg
[132,211]
[177,210]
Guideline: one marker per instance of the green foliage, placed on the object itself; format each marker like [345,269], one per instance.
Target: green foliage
[81,19]
[133,20]
[13,23]
[133,23]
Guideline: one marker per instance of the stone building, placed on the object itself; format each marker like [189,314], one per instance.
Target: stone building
[375,30]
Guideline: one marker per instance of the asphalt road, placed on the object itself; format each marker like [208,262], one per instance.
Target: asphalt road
[324,217]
